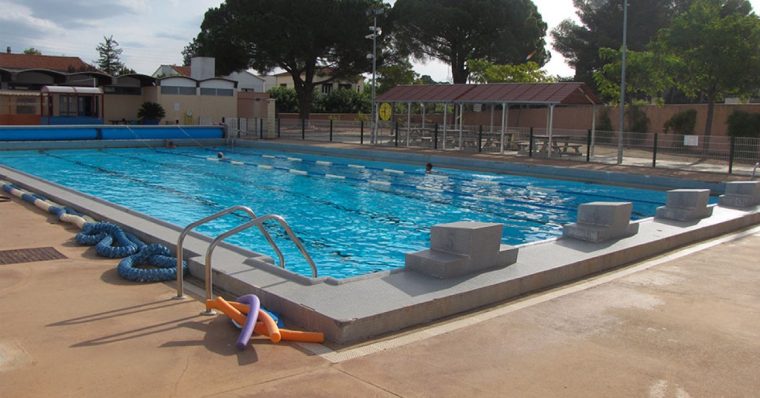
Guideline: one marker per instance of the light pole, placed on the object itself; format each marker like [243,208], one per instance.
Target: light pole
[374,12]
[622,83]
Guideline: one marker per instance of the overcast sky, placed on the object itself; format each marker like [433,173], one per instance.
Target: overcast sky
[152,33]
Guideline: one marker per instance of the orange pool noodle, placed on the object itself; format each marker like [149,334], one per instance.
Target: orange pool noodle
[304,337]
[236,312]
[222,305]
[272,330]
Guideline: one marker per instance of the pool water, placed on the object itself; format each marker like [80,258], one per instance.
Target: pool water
[354,217]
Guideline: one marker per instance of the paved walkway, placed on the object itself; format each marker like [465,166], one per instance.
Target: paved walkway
[688,326]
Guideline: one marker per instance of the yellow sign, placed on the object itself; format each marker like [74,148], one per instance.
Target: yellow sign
[385,111]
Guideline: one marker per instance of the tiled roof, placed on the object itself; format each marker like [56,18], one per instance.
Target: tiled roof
[516,93]
[182,70]
[59,64]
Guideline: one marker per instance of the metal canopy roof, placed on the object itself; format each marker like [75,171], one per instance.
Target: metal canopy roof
[71,90]
[512,93]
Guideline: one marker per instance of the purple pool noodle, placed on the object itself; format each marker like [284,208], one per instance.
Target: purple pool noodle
[247,330]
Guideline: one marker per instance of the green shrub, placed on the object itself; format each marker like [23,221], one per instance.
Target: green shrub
[151,112]
[682,122]
[345,101]
[743,124]
[285,98]
[638,122]
[604,125]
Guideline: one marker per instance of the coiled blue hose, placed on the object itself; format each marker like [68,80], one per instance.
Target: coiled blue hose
[141,262]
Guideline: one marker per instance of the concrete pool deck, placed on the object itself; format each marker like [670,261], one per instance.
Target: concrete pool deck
[386,302]
[683,325]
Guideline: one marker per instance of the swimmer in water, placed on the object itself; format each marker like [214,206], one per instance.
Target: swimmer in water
[428,168]
[219,155]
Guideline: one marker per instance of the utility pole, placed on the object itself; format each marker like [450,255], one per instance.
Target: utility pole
[374,12]
[622,83]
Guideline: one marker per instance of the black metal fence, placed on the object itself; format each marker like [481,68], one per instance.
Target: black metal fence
[733,155]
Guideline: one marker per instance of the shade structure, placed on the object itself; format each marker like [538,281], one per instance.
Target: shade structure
[549,95]
[570,93]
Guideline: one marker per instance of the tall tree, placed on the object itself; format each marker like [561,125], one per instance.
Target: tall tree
[302,37]
[482,71]
[394,74]
[453,31]
[717,46]
[190,51]
[110,56]
[32,51]
[602,27]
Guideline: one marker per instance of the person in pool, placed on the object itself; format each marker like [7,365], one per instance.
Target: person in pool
[428,168]
[220,155]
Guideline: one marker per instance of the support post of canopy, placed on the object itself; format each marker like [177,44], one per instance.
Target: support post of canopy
[423,114]
[593,130]
[461,123]
[445,119]
[408,122]
[550,131]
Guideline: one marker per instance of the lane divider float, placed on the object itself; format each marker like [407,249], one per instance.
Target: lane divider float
[140,262]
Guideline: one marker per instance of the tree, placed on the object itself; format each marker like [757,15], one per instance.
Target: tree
[302,37]
[190,51]
[649,75]
[482,71]
[717,45]
[32,51]
[110,56]
[453,31]
[601,27]
[392,75]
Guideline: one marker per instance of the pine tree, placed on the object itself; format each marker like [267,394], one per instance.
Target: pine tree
[110,53]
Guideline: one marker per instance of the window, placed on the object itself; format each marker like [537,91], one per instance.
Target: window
[221,92]
[122,90]
[26,105]
[326,88]
[283,85]
[176,90]
[67,106]
[344,86]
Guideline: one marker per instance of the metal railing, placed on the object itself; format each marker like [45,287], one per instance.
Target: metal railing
[230,210]
[257,222]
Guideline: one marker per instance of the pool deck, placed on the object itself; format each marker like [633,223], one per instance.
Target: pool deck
[357,309]
[683,325]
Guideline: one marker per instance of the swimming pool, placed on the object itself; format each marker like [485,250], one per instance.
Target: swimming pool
[355,217]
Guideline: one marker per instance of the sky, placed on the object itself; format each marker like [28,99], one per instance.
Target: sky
[152,33]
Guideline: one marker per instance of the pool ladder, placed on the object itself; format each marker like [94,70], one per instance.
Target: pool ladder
[254,221]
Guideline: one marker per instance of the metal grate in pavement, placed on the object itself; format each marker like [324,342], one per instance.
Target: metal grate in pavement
[29,255]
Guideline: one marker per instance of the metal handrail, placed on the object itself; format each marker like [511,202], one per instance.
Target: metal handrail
[256,222]
[180,253]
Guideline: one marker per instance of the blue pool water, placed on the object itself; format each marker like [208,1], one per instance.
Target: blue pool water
[355,217]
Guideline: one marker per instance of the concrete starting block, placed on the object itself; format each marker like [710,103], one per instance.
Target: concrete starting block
[741,194]
[601,222]
[686,205]
[462,248]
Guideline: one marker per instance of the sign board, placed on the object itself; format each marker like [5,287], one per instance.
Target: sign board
[691,140]
[385,111]
[477,107]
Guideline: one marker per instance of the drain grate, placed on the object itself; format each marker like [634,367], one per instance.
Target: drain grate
[29,255]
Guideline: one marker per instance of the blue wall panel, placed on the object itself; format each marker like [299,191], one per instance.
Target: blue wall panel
[49,133]
[153,133]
